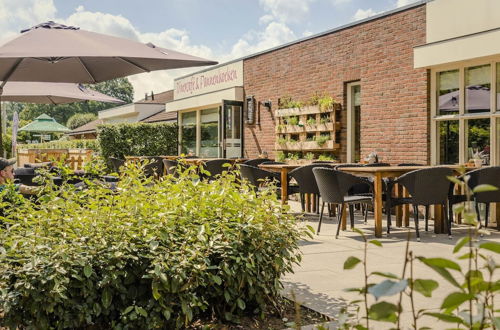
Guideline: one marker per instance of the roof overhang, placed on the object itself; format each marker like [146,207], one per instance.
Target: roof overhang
[473,46]
[208,99]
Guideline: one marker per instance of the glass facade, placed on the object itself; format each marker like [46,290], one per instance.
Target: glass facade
[478,139]
[448,142]
[188,132]
[448,92]
[209,140]
[478,87]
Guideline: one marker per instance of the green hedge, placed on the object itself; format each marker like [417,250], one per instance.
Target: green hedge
[138,139]
[68,144]
[151,255]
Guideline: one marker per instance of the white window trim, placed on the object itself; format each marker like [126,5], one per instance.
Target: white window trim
[350,122]
[493,115]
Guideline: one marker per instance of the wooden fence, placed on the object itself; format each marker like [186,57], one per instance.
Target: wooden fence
[76,158]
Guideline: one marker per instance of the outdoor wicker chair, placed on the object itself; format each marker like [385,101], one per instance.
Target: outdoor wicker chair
[487,175]
[410,164]
[116,163]
[307,183]
[154,167]
[25,175]
[215,167]
[428,186]
[171,167]
[333,188]
[257,177]
[272,162]
[256,162]
[376,165]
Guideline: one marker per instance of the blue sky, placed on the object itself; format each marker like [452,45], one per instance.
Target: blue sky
[217,29]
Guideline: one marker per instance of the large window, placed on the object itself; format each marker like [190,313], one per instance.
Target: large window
[188,132]
[209,141]
[466,113]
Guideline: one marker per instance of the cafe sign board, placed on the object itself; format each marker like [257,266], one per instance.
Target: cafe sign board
[227,76]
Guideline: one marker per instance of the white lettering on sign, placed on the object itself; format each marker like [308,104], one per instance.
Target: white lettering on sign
[227,76]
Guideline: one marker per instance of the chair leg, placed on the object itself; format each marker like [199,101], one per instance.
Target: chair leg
[486,215]
[320,218]
[447,220]
[302,202]
[478,213]
[351,215]
[415,214]
[389,221]
[450,213]
[427,218]
[366,213]
[339,217]
[316,198]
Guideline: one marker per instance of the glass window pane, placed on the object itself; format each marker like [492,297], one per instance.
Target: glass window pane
[357,121]
[448,92]
[237,122]
[188,132]
[478,139]
[209,133]
[448,142]
[477,94]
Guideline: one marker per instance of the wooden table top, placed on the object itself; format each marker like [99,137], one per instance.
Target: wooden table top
[379,169]
[276,167]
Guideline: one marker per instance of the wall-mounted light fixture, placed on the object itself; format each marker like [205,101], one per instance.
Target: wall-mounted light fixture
[268,104]
[250,117]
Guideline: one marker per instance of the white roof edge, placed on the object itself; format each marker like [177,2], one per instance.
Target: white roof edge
[317,35]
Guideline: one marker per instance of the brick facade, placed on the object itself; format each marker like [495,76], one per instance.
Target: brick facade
[379,54]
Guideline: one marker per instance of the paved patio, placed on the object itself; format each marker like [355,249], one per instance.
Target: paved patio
[320,280]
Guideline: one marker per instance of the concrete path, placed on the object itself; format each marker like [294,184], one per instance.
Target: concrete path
[320,280]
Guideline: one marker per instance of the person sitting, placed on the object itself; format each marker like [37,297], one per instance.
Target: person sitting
[7,177]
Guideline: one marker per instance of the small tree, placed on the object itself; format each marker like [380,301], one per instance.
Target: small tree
[80,119]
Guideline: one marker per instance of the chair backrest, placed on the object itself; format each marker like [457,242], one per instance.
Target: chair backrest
[256,176]
[272,162]
[376,165]
[487,175]
[38,165]
[171,167]
[25,175]
[305,178]
[323,162]
[334,185]
[348,165]
[427,186]
[256,162]
[116,163]
[216,167]
[191,157]
[154,167]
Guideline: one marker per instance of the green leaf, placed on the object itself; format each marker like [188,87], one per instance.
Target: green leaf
[386,274]
[106,298]
[156,290]
[446,317]
[484,188]
[128,310]
[455,180]
[492,246]
[383,311]
[446,275]
[425,287]
[440,262]
[87,271]
[387,288]
[217,279]
[351,262]
[153,245]
[375,242]
[141,311]
[461,244]
[455,299]
[241,303]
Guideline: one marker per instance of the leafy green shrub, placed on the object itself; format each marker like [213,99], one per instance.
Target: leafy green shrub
[152,254]
[138,139]
[68,144]
[326,157]
[280,156]
[80,119]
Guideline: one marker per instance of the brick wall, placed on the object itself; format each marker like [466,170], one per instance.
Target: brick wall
[379,53]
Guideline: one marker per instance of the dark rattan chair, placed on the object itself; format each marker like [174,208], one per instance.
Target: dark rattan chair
[487,175]
[154,167]
[171,167]
[116,163]
[257,176]
[429,186]
[410,164]
[307,183]
[376,165]
[215,167]
[333,188]
[272,162]
[256,162]
[25,175]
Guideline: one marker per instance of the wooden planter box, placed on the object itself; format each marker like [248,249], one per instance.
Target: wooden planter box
[295,146]
[313,145]
[290,129]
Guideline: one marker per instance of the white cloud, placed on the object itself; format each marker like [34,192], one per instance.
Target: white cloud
[402,3]
[340,2]
[287,11]
[266,19]
[362,14]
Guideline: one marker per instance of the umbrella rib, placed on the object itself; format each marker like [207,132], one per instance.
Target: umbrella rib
[134,64]
[11,71]
[51,100]
[87,70]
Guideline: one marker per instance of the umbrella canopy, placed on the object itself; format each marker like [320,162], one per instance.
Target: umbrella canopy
[44,124]
[478,98]
[57,53]
[52,93]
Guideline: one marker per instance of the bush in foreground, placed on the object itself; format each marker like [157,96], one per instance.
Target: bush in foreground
[152,254]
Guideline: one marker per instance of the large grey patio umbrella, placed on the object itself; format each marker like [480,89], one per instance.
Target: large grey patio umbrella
[53,52]
[52,93]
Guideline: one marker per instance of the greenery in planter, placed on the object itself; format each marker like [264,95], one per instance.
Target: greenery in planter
[309,156]
[280,156]
[152,254]
[293,156]
[294,120]
[311,121]
[326,157]
[282,140]
[286,102]
[470,305]
[322,139]
[325,119]
[323,100]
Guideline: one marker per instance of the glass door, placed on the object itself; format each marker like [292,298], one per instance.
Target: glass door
[232,119]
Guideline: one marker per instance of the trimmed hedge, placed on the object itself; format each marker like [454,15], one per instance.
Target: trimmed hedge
[152,254]
[138,139]
[68,144]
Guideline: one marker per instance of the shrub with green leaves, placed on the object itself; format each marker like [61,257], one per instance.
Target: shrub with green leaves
[152,254]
